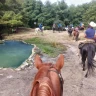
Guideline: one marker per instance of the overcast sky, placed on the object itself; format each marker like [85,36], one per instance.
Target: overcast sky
[69,2]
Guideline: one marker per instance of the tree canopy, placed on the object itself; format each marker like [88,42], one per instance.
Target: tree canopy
[26,12]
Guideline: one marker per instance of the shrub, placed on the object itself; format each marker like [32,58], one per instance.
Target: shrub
[47,28]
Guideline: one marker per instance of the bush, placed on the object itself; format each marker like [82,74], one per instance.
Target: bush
[47,28]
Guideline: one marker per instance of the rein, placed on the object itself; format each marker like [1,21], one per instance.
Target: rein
[60,78]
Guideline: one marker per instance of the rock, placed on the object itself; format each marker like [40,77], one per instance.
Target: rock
[1,41]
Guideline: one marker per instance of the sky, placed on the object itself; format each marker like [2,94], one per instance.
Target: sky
[69,2]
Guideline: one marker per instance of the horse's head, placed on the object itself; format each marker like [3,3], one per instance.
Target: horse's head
[59,64]
[48,78]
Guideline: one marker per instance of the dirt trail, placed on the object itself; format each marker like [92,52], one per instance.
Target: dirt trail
[18,83]
[75,82]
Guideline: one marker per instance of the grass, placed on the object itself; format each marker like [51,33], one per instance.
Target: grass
[52,49]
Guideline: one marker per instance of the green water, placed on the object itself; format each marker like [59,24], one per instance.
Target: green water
[14,53]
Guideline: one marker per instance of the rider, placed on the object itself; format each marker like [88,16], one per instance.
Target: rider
[89,34]
[54,27]
[70,29]
[76,29]
[40,26]
[76,32]
[59,26]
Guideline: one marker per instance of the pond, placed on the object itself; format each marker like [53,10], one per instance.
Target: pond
[14,53]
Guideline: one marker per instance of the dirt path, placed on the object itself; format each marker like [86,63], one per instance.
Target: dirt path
[18,83]
[75,82]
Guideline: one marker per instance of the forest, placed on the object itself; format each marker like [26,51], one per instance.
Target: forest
[29,13]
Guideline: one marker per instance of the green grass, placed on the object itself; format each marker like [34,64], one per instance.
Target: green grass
[52,49]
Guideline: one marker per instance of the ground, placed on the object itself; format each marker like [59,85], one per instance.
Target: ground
[19,83]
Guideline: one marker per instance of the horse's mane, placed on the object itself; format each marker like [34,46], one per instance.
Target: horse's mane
[43,84]
[44,87]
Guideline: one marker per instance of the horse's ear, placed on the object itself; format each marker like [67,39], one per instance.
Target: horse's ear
[38,62]
[60,62]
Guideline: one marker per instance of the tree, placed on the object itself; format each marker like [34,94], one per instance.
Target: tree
[90,14]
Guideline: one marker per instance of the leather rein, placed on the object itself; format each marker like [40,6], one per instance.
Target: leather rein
[60,78]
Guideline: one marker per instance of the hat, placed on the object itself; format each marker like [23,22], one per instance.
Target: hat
[92,24]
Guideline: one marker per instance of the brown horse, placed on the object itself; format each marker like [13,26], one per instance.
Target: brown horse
[48,80]
[75,35]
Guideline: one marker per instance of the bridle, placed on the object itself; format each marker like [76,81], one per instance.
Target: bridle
[60,78]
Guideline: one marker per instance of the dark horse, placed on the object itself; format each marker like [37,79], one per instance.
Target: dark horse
[48,80]
[81,27]
[87,53]
[56,28]
[70,31]
[60,29]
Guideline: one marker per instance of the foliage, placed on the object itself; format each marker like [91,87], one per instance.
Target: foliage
[47,27]
[90,14]
[27,12]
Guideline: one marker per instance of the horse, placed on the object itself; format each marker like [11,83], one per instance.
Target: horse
[70,31]
[75,35]
[48,81]
[81,27]
[56,28]
[87,52]
[37,30]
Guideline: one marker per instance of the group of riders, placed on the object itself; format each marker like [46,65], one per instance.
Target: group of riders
[87,47]
[89,33]
[57,27]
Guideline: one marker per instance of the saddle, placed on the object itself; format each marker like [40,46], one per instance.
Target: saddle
[87,41]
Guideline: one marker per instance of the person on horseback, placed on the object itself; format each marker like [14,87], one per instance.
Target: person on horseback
[76,29]
[54,27]
[40,26]
[70,29]
[90,32]
[89,35]
[59,27]
[76,33]
[87,49]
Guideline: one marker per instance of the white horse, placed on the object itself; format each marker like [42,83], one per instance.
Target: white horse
[37,30]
